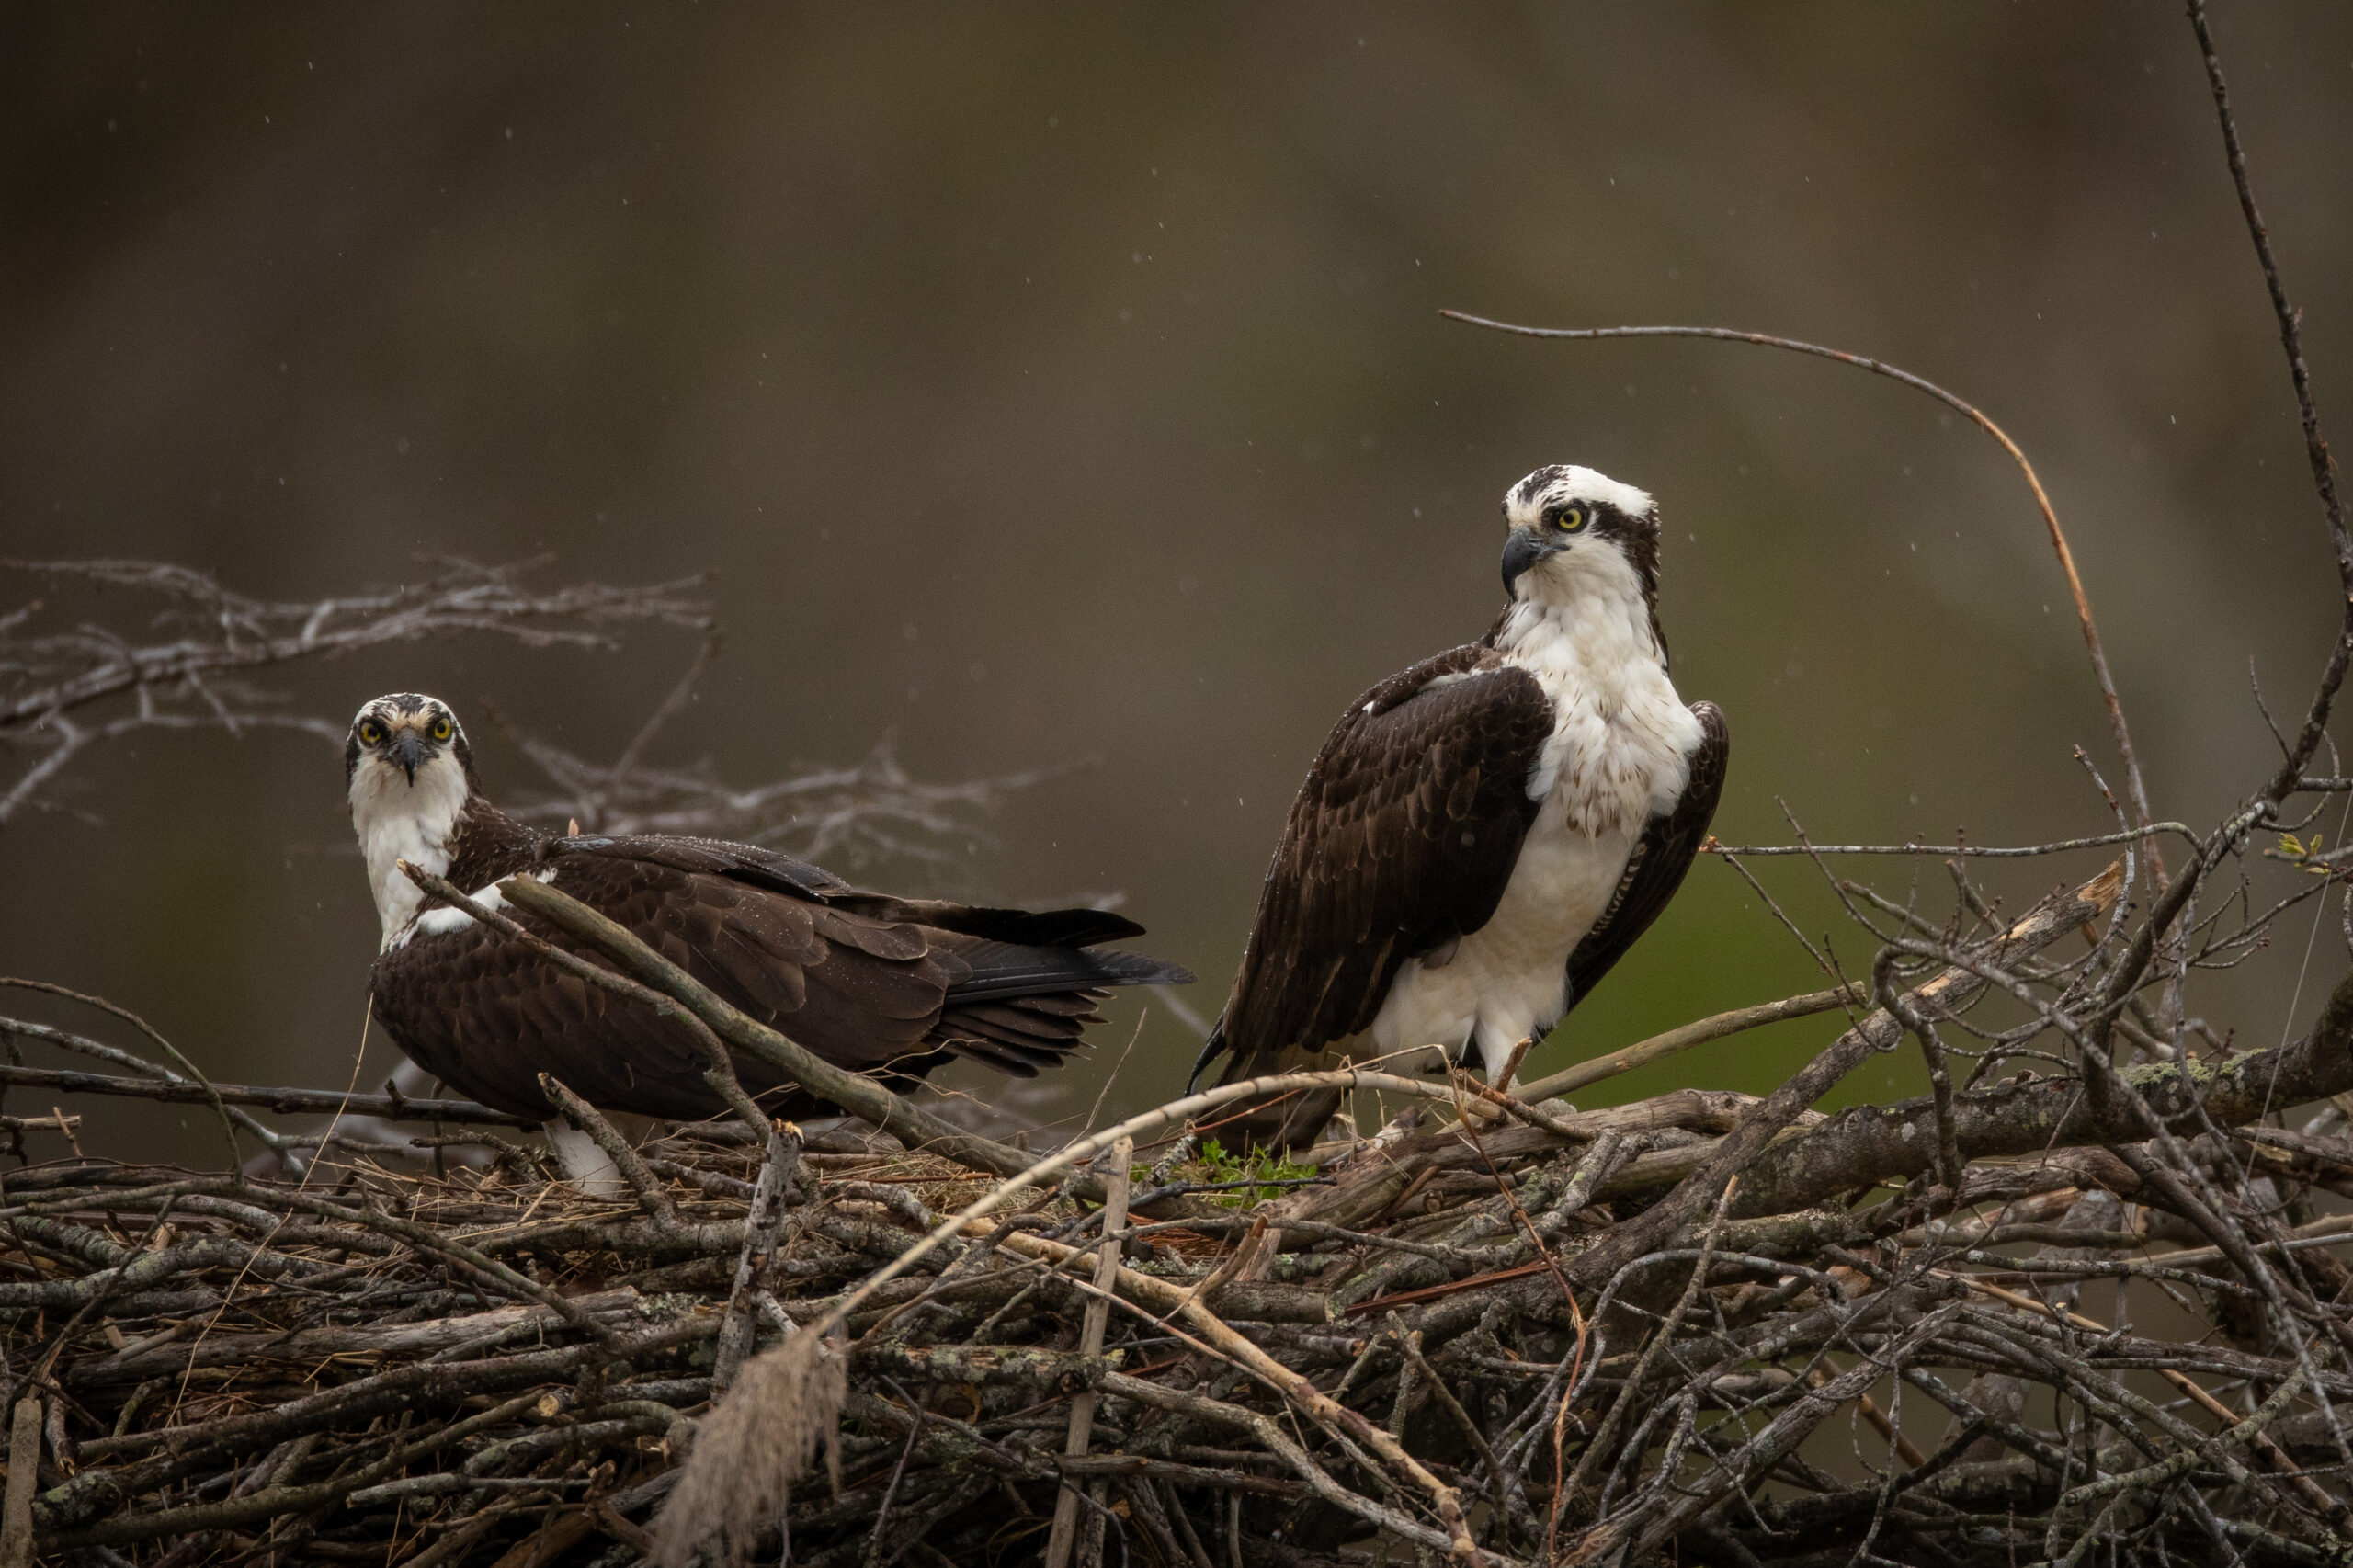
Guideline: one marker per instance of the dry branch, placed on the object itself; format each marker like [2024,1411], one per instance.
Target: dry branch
[278,1313]
[286,1101]
[62,692]
[1880,1030]
[1869,1145]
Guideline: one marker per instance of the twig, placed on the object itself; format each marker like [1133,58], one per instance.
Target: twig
[17,1508]
[211,1095]
[721,1075]
[194,678]
[2314,1493]
[2042,926]
[1090,1343]
[764,1217]
[854,1092]
[614,1147]
[287,1101]
[1569,1080]
[1975,851]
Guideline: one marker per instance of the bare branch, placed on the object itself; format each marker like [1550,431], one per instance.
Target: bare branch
[2136,790]
[873,807]
[63,692]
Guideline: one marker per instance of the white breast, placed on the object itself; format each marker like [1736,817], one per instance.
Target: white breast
[1619,754]
[1621,739]
[1509,979]
[399,821]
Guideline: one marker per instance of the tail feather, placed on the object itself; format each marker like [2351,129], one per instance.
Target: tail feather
[1023,1060]
[1006,969]
[1017,1035]
[1029,928]
[1020,1021]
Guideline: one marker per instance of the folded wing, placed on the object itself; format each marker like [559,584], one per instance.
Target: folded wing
[871,983]
[1401,840]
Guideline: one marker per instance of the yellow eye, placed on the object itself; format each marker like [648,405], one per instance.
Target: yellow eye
[1570,521]
[372,732]
[441,729]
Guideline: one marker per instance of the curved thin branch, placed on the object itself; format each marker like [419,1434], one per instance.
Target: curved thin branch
[2135,788]
[2307,410]
[1965,851]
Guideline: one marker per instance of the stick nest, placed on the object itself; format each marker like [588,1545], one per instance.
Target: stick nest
[493,1366]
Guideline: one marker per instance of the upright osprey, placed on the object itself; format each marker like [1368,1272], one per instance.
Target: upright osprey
[1486,832]
[866,981]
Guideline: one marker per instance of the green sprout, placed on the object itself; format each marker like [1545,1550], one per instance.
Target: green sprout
[1256,1165]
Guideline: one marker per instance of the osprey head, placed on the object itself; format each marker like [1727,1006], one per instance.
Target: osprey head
[407,734]
[408,775]
[1576,533]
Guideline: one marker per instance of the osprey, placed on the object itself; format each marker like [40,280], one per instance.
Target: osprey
[871,982]
[1486,832]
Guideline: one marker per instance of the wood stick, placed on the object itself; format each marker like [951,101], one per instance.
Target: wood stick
[1271,1436]
[1090,1343]
[160,1357]
[721,1074]
[1646,1232]
[1166,1295]
[287,1101]
[1698,1032]
[1905,1449]
[614,1147]
[2315,1495]
[761,1226]
[1869,1143]
[16,1509]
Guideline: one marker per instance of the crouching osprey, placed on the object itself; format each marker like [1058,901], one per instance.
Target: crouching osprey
[867,982]
[1486,832]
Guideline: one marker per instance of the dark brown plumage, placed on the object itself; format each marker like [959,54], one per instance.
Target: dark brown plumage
[1538,749]
[1402,840]
[866,981]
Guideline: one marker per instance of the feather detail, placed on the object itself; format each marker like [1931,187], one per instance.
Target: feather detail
[1401,842]
[867,982]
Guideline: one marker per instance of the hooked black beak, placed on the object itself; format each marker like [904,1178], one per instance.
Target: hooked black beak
[406,752]
[1523,550]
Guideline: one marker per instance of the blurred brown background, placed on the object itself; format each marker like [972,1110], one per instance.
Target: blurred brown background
[1048,382]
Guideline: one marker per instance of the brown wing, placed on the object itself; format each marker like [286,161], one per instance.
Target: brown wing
[1661,857]
[782,873]
[748,863]
[487,1016]
[1402,839]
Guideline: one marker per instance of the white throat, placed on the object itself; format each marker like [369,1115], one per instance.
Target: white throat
[1621,740]
[399,821]
[1591,583]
